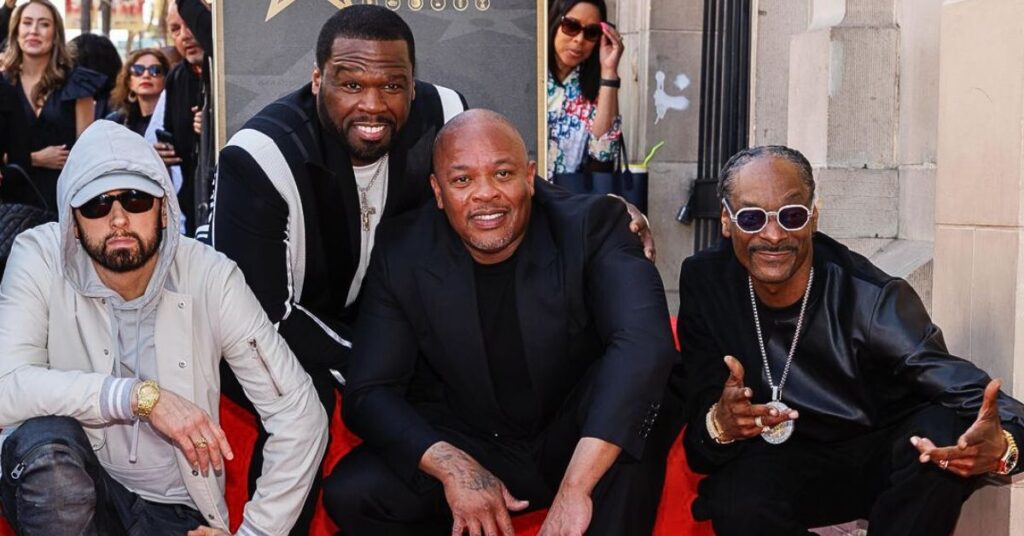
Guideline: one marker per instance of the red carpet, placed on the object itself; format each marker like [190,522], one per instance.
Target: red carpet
[673,513]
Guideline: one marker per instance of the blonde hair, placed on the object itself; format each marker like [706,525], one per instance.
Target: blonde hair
[57,68]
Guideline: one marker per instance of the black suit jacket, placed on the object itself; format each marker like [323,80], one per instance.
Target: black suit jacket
[588,302]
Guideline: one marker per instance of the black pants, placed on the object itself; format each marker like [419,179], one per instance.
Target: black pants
[53,484]
[365,496]
[325,390]
[784,489]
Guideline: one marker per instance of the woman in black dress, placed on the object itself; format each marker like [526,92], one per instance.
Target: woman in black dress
[138,89]
[55,100]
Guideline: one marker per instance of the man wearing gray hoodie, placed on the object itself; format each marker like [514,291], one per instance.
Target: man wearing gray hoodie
[112,327]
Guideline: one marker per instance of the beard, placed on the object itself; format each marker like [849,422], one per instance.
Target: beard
[359,149]
[122,260]
[492,245]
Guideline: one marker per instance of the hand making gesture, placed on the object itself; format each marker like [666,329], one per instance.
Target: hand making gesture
[736,416]
[979,450]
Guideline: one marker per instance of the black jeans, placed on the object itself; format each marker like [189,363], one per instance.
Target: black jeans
[364,495]
[53,484]
[785,489]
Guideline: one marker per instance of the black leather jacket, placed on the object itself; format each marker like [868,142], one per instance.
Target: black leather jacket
[869,354]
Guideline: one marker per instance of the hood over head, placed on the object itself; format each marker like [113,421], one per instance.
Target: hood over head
[109,156]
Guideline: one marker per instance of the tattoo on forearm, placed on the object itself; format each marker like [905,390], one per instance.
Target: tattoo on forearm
[463,470]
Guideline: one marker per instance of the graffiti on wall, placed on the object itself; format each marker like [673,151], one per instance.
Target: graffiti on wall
[664,101]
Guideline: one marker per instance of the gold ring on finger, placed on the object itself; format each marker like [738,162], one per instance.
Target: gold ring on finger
[200,443]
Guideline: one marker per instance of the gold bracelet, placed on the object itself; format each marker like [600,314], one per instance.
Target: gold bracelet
[1009,460]
[713,429]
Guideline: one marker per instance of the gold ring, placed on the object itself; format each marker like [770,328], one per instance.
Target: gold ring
[201,444]
[944,463]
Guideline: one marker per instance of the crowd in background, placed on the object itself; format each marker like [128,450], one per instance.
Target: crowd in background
[52,89]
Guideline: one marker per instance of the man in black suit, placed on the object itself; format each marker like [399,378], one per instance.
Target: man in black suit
[512,352]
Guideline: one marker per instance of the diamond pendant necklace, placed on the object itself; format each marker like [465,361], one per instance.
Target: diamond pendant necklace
[365,210]
[782,431]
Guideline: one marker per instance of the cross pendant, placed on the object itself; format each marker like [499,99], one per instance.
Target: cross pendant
[365,211]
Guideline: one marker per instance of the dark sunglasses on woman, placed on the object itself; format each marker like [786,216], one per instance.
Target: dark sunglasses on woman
[754,219]
[132,201]
[572,28]
[154,70]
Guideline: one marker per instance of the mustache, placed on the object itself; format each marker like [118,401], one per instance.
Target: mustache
[781,248]
[367,119]
[125,234]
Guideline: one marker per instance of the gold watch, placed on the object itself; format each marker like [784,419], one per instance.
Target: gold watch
[148,395]
[1009,460]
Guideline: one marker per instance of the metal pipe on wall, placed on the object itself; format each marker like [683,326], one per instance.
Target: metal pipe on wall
[724,109]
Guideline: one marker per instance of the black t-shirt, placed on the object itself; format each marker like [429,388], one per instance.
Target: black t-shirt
[503,343]
[778,327]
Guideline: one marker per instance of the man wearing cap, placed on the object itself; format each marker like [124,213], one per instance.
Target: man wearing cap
[112,328]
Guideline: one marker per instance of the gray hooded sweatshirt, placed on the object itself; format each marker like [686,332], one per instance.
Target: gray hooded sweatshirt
[134,453]
[70,346]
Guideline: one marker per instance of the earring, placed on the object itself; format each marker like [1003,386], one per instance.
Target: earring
[132,97]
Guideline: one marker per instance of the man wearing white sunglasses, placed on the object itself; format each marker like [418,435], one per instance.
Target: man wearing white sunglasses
[837,398]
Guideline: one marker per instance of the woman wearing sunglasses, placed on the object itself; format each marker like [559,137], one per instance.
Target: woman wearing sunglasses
[138,89]
[55,99]
[582,86]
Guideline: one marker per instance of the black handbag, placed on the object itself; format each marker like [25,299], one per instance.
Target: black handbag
[16,217]
[631,186]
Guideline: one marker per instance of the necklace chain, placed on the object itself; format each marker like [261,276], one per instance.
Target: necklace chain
[777,389]
[381,164]
[365,210]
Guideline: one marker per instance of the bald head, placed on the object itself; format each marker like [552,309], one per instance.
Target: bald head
[469,125]
[483,182]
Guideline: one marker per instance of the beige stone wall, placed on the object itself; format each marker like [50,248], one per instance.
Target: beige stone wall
[979,213]
[853,85]
[663,36]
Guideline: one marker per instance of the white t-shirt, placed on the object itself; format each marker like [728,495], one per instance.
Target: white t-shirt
[376,197]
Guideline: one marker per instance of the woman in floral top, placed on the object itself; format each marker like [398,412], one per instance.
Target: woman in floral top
[583,99]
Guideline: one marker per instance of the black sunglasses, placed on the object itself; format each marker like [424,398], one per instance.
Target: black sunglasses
[754,219]
[572,28]
[133,201]
[154,70]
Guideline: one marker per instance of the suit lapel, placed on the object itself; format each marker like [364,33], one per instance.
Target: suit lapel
[448,287]
[540,302]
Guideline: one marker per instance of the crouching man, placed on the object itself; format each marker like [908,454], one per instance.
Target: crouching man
[112,327]
[512,352]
